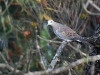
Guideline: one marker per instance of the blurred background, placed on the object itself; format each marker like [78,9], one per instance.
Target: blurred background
[22,20]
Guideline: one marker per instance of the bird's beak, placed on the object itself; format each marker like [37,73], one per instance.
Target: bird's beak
[48,24]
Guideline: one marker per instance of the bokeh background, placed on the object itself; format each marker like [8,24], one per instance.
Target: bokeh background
[22,20]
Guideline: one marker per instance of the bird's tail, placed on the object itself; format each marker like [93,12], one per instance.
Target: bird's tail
[83,40]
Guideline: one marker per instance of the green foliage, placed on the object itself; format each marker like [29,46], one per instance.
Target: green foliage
[22,20]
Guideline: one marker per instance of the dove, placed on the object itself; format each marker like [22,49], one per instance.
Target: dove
[64,32]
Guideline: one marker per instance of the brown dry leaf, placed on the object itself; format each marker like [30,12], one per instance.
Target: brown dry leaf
[38,1]
[44,2]
[10,53]
[34,24]
[26,33]
[46,17]
[51,9]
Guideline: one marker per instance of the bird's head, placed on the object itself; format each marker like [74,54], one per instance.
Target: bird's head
[50,22]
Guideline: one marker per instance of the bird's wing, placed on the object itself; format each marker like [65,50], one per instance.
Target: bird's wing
[66,33]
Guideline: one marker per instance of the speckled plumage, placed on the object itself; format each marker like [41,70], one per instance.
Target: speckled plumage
[63,32]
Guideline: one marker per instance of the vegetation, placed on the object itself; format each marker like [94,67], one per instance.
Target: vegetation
[28,45]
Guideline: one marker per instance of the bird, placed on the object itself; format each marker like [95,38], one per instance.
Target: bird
[66,33]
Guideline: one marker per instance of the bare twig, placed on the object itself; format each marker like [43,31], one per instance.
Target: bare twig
[52,41]
[94,5]
[64,68]
[56,57]
[7,6]
[73,64]
[76,49]
[58,53]
[5,66]
[3,58]
[40,53]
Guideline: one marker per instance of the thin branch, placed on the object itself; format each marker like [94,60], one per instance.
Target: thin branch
[56,57]
[94,5]
[78,50]
[58,53]
[5,66]
[67,66]
[52,41]
[3,58]
[73,64]
[40,53]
